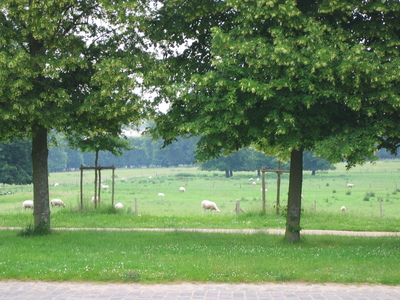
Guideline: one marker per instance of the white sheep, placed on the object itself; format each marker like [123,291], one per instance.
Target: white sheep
[119,205]
[350,185]
[161,194]
[182,189]
[57,202]
[105,187]
[56,184]
[251,179]
[206,204]
[343,208]
[27,204]
[253,183]
[95,199]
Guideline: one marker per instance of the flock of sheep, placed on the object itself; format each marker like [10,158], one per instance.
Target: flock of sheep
[205,204]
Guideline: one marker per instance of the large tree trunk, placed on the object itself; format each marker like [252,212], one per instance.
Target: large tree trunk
[292,233]
[41,210]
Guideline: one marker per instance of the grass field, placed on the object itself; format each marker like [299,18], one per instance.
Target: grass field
[323,193]
[154,257]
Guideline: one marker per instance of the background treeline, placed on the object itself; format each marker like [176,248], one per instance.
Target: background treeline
[16,167]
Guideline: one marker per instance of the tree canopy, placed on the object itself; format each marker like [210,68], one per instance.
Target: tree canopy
[284,76]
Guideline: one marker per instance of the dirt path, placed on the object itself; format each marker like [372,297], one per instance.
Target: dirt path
[245,231]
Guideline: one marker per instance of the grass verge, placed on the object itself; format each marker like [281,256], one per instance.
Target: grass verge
[157,257]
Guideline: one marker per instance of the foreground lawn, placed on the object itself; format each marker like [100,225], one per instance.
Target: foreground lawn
[154,257]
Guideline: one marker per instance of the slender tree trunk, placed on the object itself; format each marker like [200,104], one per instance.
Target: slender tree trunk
[41,209]
[292,233]
[96,195]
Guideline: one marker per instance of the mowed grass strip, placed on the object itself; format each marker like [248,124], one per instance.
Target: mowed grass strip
[157,257]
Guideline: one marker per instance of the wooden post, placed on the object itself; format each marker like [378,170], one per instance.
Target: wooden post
[99,187]
[97,191]
[278,172]
[136,206]
[263,190]
[81,183]
[112,188]
[237,207]
[380,208]
[278,189]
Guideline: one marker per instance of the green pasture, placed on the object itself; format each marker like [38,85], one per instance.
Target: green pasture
[324,194]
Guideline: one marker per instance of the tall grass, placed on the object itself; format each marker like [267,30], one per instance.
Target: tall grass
[154,257]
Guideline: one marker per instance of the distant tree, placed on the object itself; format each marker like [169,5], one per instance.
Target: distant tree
[16,162]
[246,159]
[74,159]
[314,163]
[58,158]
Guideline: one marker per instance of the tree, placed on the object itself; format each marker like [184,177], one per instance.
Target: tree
[70,67]
[314,163]
[285,77]
[16,163]
[246,159]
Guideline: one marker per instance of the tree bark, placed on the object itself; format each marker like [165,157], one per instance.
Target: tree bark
[41,210]
[292,233]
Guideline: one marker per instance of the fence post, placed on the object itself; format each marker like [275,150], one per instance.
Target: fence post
[380,208]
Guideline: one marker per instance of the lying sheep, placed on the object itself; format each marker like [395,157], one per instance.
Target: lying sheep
[27,204]
[206,204]
[343,208]
[119,205]
[161,194]
[182,189]
[57,202]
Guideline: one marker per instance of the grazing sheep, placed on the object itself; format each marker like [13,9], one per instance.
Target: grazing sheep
[206,204]
[57,202]
[182,189]
[253,183]
[343,208]
[56,184]
[350,185]
[27,204]
[251,179]
[119,205]
[161,194]
[105,187]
